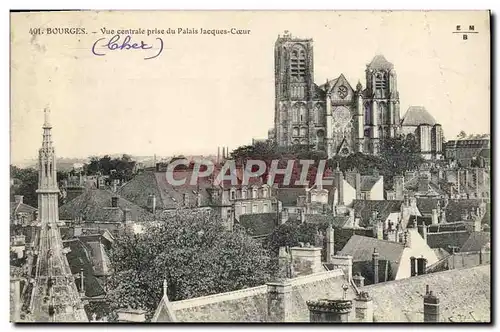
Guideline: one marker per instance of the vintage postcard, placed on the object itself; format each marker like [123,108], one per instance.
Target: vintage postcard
[250,166]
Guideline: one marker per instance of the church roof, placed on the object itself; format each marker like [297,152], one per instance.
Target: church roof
[380,62]
[418,115]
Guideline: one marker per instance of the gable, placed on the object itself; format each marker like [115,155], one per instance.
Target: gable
[341,91]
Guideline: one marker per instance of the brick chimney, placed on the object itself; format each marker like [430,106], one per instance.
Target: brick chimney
[18,199]
[431,307]
[127,315]
[399,184]
[279,301]
[114,201]
[363,307]
[421,265]
[329,311]
[359,280]
[413,270]
[375,258]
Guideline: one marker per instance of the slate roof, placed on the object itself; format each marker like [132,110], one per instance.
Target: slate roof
[380,62]
[417,115]
[426,205]
[250,305]
[476,241]
[456,207]
[140,189]
[464,296]
[17,207]
[361,249]
[446,240]
[259,224]
[364,208]
[95,205]
[366,181]
[80,257]
[289,196]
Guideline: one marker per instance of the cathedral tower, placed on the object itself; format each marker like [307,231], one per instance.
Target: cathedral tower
[294,84]
[381,103]
[55,296]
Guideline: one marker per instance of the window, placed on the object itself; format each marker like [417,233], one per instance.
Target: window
[233,194]
[298,62]
[264,192]
[303,114]
[295,131]
[381,81]
[303,131]
[266,208]
[255,208]
[295,114]
[243,193]
[254,192]
[243,209]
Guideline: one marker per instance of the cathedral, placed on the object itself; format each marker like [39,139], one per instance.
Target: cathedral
[332,117]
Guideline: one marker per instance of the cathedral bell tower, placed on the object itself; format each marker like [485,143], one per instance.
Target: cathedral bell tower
[381,102]
[55,295]
[294,84]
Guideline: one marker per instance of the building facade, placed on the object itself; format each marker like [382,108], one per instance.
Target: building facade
[332,117]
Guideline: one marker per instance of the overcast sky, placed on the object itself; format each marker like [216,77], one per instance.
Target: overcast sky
[206,91]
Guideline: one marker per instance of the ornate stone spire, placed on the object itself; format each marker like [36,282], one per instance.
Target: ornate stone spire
[55,296]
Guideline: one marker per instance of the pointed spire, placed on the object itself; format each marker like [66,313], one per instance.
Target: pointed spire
[46,113]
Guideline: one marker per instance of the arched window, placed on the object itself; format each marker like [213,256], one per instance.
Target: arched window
[303,131]
[318,114]
[381,81]
[298,62]
[295,131]
[284,115]
[303,112]
[367,114]
[295,114]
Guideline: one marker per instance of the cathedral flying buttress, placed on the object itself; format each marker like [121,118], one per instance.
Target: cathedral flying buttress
[332,117]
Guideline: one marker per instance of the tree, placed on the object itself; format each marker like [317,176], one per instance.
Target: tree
[193,252]
[461,135]
[27,184]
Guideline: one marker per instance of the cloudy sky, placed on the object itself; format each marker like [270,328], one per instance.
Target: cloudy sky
[205,91]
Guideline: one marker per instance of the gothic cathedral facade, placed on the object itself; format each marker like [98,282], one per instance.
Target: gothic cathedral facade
[332,117]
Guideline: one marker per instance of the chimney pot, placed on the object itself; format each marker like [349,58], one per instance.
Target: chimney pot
[19,199]
[329,311]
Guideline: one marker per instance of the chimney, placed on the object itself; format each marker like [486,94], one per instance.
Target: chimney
[344,263]
[330,243]
[375,257]
[185,199]
[413,271]
[406,200]
[329,311]
[339,183]
[279,302]
[114,201]
[407,239]
[218,154]
[359,280]
[435,219]
[127,215]
[154,203]
[459,175]
[198,198]
[431,307]
[302,216]
[399,184]
[284,215]
[306,260]
[18,199]
[82,285]
[127,315]
[363,307]
[421,265]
